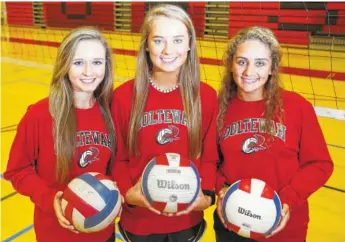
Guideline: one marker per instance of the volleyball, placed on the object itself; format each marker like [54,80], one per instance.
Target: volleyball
[91,202]
[170,183]
[251,208]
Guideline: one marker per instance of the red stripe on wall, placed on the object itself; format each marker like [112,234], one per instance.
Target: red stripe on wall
[248,18]
[75,14]
[33,42]
[243,24]
[313,73]
[19,13]
[137,16]
[196,11]
[302,20]
[255,5]
[209,61]
[333,29]
[124,52]
[336,5]
[278,12]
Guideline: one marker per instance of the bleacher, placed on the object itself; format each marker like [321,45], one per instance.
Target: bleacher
[316,25]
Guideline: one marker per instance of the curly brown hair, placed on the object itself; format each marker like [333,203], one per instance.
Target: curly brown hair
[228,89]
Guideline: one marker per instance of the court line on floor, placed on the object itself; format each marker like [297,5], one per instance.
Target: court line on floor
[8,130]
[9,126]
[27,63]
[335,189]
[19,233]
[26,80]
[8,196]
[330,113]
[337,146]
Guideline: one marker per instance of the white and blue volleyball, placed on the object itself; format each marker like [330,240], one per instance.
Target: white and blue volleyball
[170,183]
[251,208]
[91,202]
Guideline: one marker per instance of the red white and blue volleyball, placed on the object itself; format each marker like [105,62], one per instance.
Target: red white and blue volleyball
[251,208]
[91,202]
[170,183]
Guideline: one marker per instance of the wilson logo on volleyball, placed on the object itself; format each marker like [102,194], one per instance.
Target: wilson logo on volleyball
[248,213]
[164,184]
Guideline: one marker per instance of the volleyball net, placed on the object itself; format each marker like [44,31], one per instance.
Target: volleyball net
[312,35]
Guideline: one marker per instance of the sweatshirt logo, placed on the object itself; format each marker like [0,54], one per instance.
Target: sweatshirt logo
[88,137]
[255,125]
[164,116]
[167,135]
[88,156]
[253,144]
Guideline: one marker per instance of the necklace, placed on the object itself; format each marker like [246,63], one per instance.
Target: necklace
[155,86]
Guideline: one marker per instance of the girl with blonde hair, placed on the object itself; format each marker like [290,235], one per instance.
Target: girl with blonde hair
[67,134]
[165,96]
[268,133]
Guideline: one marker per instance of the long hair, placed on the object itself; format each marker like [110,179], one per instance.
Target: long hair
[228,89]
[188,79]
[61,102]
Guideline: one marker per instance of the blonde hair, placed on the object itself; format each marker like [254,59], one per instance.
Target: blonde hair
[228,89]
[188,79]
[61,102]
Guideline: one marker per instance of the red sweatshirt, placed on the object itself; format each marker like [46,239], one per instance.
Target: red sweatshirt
[31,166]
[162,111]
[295,164]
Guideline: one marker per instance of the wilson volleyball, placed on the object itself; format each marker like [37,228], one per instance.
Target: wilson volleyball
[170,183]
[91,202]
[251,208]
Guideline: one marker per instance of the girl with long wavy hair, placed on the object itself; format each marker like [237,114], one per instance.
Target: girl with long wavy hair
[166,97]
[268,133]
[69,133]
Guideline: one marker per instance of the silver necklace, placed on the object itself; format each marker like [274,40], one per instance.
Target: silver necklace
[155,86]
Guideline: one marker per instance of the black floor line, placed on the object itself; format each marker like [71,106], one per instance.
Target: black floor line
[8,196]
[337,146]
[335,189]
[8,130]
[9,126]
